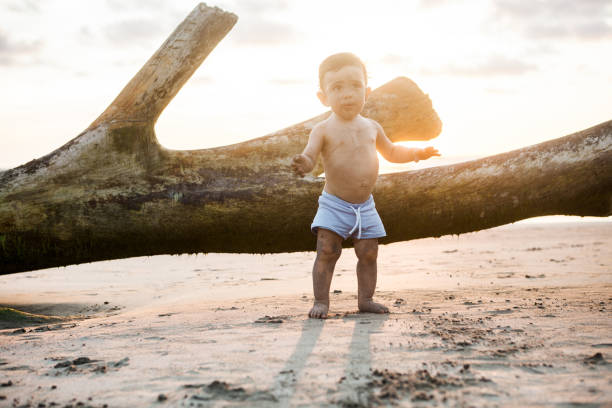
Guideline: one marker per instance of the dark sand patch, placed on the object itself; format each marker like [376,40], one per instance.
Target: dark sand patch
[26,315]
[12,318]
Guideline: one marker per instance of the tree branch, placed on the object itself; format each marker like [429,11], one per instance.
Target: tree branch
[114,192]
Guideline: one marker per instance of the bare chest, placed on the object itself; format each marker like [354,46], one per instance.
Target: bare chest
[350,141]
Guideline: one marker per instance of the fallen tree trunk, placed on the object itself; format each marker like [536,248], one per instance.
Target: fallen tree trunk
[114,192]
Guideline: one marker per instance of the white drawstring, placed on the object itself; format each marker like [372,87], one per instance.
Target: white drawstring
[357,222]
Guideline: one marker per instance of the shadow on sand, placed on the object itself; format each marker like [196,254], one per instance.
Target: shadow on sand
[358,359]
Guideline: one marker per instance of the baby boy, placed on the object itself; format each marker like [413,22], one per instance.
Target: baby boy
[348,143]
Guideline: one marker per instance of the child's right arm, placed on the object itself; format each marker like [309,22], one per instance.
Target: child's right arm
[304,163]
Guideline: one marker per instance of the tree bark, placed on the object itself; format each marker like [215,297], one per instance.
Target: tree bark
[114,192]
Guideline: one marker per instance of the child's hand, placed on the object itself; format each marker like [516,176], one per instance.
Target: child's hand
[301,164]
[427,152]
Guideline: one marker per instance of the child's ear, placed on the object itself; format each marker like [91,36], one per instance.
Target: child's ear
[368,91]
[322,97]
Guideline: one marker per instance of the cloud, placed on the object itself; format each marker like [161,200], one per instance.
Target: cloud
[496,65]
[429,4]
[258,7]
[15,53]
[501,91]
[287,81]
[23,6]
[129,5]
[136,31]
[262,32]
[394,59]
[584,20]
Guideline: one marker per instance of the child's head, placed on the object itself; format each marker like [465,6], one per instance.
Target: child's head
[343,82]
[336,61]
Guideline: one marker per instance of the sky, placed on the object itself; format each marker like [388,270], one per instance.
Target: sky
[502,74]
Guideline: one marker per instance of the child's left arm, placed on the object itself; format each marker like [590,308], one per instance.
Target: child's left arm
[400,154]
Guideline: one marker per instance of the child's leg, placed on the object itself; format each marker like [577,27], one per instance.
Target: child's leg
[367,252]
[329,247]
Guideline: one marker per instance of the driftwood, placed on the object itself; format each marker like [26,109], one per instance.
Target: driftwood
[114,192]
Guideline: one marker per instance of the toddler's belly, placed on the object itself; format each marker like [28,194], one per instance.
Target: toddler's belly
[351,184]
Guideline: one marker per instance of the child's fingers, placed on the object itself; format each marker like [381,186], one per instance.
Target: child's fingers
[297,169]
[432,151]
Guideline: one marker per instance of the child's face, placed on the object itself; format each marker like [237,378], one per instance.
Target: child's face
[344,91]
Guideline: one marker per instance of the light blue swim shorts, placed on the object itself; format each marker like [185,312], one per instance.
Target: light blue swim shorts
[346,219]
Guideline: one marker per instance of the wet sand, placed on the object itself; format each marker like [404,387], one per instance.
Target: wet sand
[513,316]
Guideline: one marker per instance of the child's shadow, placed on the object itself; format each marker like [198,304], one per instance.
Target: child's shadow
[358,360]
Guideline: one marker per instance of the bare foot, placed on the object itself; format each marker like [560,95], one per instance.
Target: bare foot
[369,306]
[318,311]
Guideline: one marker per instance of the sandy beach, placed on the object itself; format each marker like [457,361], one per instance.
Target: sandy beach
[518,315]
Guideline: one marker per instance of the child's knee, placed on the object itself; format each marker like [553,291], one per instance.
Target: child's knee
[329,250]
[367,253]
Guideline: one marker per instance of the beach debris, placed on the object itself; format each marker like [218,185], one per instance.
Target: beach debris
[222,309]
[82,360]
[77,361]
[500,311]
[398,302]
[505,352]
[384,387]
[596,359]
[9,383]
[121,363]
[422,310]
[534,277]
[221,390]
[271,319]
[337,291]
[458,332]
[78,364]
[162,398]
[103,368]
[59,326]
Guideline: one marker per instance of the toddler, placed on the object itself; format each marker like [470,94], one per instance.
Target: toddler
[348,143]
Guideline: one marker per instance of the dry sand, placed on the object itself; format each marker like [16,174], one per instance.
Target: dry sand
[514,316]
